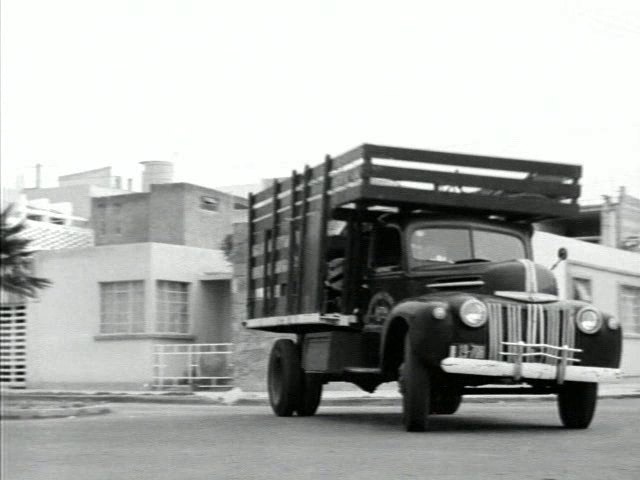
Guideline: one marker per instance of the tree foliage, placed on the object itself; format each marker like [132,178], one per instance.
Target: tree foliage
[16,267]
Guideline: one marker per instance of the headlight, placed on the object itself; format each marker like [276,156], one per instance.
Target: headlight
[613,323]
[588,320]
[473,313]
[439,312]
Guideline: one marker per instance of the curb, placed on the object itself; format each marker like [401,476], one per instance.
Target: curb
[397,401]
[26,413]
[195,399]
[115,398]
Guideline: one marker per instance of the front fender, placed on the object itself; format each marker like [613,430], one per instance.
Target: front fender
[429,337]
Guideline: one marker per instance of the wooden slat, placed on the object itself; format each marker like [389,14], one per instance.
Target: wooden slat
[348,157]
[346,177]
[267,222]
[257,305]
[275,203]
[344,180]
[303,234]
[281,266]
[317,173]
[250,287]
[285,185]
[480,203]
[280,305]
[476,161]
[265,209]
[348,195]
[292,241]
[555,189]
[258,238]
[273,280]
[280,254]
[315,189]
[322,238]
[263,195]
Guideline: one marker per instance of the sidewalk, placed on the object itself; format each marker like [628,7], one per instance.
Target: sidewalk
[387,395]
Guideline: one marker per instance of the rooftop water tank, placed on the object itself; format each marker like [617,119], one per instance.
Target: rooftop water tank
[156,171]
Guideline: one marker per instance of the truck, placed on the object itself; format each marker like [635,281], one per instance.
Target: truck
[393,264]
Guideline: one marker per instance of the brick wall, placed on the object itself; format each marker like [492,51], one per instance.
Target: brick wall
[175,213]
[206,227]
[121,219]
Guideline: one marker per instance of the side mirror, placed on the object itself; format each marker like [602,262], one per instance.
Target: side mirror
[562,256]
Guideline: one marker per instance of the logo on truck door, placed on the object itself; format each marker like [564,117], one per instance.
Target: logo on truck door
[378,310]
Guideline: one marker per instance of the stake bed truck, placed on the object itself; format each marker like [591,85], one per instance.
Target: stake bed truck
[411,265]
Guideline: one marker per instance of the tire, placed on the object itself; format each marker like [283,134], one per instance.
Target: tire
[415,384]
[577,404]
[284,378]
[445,401]
[311,395]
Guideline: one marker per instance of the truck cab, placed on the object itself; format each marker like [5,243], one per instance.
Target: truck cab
[434,287]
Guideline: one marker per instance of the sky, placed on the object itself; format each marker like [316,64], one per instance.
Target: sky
[234,92]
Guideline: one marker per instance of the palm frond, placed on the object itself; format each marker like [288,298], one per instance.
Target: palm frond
[17,259]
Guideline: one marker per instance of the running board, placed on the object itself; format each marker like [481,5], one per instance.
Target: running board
[507,391]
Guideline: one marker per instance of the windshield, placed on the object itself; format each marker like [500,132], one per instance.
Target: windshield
[451,245]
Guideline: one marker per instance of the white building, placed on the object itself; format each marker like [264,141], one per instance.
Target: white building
[605,276]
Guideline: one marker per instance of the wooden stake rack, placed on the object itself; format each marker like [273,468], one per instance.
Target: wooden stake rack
[288,221]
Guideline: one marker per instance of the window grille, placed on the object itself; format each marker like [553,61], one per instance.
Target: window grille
[122,307]
[172,307]
[13,341]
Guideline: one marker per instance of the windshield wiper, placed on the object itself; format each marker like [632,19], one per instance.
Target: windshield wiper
[471,260]
[427,266]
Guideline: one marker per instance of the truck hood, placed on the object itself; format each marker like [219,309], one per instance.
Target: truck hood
[516,279]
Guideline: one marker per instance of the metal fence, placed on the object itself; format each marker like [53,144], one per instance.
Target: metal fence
[192,365]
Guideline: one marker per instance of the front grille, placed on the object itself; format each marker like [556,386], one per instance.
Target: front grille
[531,333]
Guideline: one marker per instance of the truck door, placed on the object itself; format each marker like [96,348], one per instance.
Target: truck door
[385,274]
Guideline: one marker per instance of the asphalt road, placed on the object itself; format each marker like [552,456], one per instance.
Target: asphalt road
[149,441]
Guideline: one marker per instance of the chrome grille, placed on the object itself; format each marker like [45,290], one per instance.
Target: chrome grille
[530,333]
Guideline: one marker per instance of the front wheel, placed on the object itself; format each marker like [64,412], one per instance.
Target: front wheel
[310,396]
[577,403]
[283,378]
[415,384]
[445,400]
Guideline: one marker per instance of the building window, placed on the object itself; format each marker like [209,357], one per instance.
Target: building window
[122,307]
[582,290]
[116,209]
[210,203]
[630,308]
[101,220]
[173,307]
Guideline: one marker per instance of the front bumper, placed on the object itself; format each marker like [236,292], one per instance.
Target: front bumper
[529,370]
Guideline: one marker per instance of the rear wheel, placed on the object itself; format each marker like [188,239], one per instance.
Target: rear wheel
[445,401]
[577,403]
[310,395]
[284,378]
[415,383]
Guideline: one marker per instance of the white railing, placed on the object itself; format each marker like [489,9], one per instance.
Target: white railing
[192,365]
